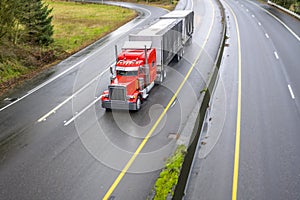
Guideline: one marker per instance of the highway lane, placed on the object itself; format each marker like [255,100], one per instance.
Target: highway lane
[268,151]
[285,46]
[290,21]
[40,158]
[60,144]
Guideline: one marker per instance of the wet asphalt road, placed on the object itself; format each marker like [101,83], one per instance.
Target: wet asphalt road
[58,143]
[269,156]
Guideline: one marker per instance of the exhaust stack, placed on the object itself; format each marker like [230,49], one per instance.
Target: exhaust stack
[116,52]
[147,70]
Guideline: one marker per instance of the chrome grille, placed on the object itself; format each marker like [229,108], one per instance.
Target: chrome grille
[117,93]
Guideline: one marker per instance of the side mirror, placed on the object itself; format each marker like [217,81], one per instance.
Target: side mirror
[112,69]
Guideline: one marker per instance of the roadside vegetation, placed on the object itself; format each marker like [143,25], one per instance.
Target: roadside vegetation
[76,25]
[166,4]
[35,34]
[293,5]
[25,29]
[168,178]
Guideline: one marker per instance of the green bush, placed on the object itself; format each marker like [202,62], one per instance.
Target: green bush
[168,177]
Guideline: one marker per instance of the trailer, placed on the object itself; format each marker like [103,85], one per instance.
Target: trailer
[166,37]
[187,17]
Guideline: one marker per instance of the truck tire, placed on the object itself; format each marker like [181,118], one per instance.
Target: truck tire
[138,103]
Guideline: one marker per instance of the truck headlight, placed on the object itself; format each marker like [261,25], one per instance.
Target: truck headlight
[130,97]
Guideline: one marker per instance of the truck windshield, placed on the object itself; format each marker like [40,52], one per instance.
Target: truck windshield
[127,73]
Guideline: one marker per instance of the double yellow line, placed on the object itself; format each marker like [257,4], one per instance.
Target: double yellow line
[145,140]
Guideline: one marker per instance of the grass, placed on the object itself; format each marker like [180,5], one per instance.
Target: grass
[10,70]
[166,4]
[76,25]
[168,178]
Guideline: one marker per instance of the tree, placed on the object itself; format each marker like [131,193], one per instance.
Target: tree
[37,22]
[8,10]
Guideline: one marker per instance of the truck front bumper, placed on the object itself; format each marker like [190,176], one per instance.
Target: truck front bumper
[119,105]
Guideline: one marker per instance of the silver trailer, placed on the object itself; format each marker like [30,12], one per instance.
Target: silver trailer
[166,37]
[187,17]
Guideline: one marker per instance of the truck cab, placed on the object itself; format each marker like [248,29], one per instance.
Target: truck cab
[132,76]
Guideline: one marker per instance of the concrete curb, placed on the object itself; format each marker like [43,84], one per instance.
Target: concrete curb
[284,9]
[201,108]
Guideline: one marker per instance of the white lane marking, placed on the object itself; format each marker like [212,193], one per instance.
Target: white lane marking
[253,16]
[43,118]
[286,26]
[173,104]
[267,36]
[247,10]
[69,69]
[276,55]
[259,24]
[291,92]
[82,111]
[54,110]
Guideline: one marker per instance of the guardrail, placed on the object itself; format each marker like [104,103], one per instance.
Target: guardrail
[284,9]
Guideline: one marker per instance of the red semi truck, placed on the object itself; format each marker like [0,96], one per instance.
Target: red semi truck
[132,77]
[142,60]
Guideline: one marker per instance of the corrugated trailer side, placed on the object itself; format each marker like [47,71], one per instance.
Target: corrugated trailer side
[172,43]
[187,17]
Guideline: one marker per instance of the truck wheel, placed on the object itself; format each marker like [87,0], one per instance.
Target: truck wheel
[138,103]
[178,57]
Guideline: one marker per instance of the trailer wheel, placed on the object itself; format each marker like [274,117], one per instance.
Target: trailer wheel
[189,41]
[138,103]
[179,55]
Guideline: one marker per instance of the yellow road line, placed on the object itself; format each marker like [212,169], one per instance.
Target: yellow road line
[238,117]
[141,146]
